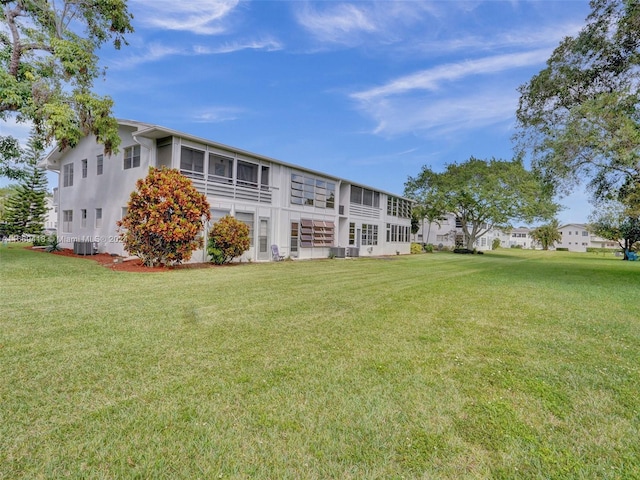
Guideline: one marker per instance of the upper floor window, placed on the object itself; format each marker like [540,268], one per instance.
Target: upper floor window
[398,207]
[84,168]
[306,190]
[132,157]
[67,175]
[247,174]
[99,164]
[364,196]
[192,161]
[220,168]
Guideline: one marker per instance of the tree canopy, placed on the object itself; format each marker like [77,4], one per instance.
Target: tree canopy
[615,222]
[25,209]
[483,194]
[547,235]
[48,63]
[579,118]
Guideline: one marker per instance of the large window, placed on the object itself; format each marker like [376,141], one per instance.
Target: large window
[67,221]
[316,233]
[83,217]
[369,234]
[307,190]
[67,175]
[220,168]
[192,162]
[85,167]
[247,174]
[398,207]
[352,234]
[99,164]
[132,157]
[398,233]
[364,196]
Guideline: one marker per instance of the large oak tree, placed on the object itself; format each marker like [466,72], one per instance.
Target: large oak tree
[483,194]
[579,118]
[48,63]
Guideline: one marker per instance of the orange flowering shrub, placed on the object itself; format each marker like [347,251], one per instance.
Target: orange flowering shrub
[164,218]
[228,239]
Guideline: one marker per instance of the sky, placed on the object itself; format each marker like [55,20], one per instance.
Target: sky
[367,91]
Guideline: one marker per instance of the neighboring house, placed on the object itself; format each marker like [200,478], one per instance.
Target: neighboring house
[51,217]
[306,213]
[447,233]
[577,238]
[521,237]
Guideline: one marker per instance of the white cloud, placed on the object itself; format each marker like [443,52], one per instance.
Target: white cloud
[268,44]
[432,79]
[436,116]
[204,17]
[217,114]
[340,23]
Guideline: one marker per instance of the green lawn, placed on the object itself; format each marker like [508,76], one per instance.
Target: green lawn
[513,364]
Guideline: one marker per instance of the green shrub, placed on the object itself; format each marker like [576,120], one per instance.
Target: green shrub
[40,240]
[428,248]
[228,239]
[516,246]
[416,248]
[495,244]
[53,245]
[164,218]
[562,249]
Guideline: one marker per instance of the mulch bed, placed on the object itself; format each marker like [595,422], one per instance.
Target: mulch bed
[109,261]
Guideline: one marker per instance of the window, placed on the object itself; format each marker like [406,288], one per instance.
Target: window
[585,233]
[247,174]
[398,207]
[99,164]
[306,190]
[217,214]
[220,168]
[67,221]
[83,217]
[352,234]
[316,233]
[84,168]
[98,217]
[369,234]
[192,162]
[67,175]
[132,157]
[247,219]
[264,177]
[364,196]
[295,234]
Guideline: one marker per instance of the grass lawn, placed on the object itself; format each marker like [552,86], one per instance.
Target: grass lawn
[514,364]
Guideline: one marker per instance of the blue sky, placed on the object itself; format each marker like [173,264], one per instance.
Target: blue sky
[368,91]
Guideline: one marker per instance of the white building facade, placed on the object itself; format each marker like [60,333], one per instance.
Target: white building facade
[307,214]
[576,237]
[447,233]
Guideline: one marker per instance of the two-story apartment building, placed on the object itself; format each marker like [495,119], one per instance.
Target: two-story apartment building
[306,213]
[576,237]
[447,232]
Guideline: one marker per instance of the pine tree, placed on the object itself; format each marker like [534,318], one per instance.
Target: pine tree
[25,210]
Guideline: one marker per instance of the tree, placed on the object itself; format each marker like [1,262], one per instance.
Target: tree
[48,65]
[614,222]
[547,235]
[426,208]
[579,117]
[228,239]
[25,209]
[484,194]
[164,218]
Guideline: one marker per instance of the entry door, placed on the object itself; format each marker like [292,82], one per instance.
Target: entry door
[264,250]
